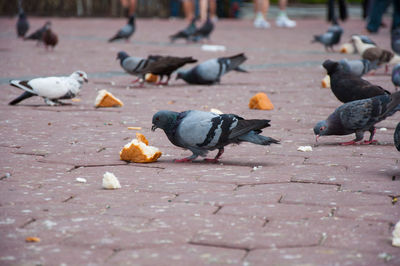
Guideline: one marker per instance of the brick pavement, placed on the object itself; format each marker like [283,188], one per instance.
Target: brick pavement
[331,206]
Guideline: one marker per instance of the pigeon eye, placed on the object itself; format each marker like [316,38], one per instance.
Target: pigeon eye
[157,118]
[80,74]
[321,128]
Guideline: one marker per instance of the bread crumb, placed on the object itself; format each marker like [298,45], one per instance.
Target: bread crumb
[106,99]
[81,180]
[32,239]
[260,101]
[396,235]
[110,181]
[304,148]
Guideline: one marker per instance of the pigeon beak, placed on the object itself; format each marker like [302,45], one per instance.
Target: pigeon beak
[153,128]
[85,79]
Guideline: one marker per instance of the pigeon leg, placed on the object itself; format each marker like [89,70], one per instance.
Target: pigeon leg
[50,102]
[215,160]
[371,140]
[135,81]
[386,68]
[359,137]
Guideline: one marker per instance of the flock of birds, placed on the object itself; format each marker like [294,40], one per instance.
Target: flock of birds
[365,104]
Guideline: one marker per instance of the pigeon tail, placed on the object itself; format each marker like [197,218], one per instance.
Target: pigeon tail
[235,61]
[23,85]
[23,96]
[255,138]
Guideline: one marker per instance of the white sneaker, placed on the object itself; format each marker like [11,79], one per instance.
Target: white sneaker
[261,23]
[284,22]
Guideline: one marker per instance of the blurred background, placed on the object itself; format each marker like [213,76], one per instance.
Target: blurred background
[145,8]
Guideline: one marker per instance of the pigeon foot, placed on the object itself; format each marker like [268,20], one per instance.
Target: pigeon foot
[348,143]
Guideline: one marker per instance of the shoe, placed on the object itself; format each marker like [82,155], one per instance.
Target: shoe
[284,22]
[261,23]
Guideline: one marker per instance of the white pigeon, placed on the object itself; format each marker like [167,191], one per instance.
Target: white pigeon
[52,89]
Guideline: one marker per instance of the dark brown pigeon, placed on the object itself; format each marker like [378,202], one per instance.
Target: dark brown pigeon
[165,65]
[358,117]
[38,34]
[396,137]
[49,38]
[348,87]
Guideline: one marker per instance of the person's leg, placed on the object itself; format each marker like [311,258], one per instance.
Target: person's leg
[188,9]
[213,9]
[282,20]
[203,10]
[396,15]
[261,9]
[132,7]
[378,7]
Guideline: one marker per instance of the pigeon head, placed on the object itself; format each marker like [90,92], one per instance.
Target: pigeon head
[331,66]
[164,120]
[80,76]
[22,14]
[122,55]
[321,129]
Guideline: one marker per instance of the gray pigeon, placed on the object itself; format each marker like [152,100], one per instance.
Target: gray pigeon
[396,137]
[358,67]
[126,31]
[396,76]
[210,71]
[22,24]
[395,40]
[201,132]
[185,33]
[359,116]
[133,65]
[330,38]
[52,89]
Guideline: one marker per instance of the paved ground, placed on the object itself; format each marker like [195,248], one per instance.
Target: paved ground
[259,206]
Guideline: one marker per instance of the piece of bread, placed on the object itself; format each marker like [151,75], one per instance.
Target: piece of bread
[138,151]
[260,101]
[151,78]
[326,82]
[110,181]
[347,48]
[106,99]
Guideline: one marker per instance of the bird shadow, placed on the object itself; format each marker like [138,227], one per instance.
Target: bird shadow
[222,162]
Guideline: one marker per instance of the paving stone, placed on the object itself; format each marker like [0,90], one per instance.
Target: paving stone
[260,205]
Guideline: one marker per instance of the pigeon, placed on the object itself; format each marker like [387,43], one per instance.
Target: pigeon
[133,65]
[210,71]
[165,65]
[395,40]
[349,47]
[49,38]
[201,132]
[358,67]
[22,24]
[126,31]
[52,89]
[204,31]
[331,37]
[396,137]
[358,117]
[348,87]
[38,34]
[396,76]
[185,33]
[375,54]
